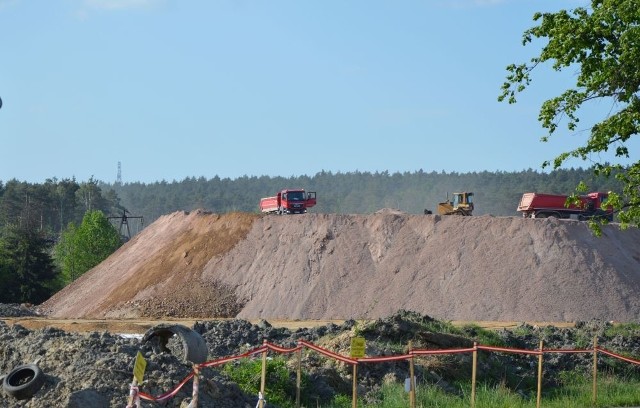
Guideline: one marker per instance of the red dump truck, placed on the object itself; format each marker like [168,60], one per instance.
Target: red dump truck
[539,205]
[288,202]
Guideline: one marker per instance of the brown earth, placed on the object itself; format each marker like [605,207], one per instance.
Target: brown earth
[141,326]
[328,266]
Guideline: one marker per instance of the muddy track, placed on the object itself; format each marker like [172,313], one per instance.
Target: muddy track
[140,326]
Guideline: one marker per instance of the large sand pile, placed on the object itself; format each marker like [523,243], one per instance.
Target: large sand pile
[323,266]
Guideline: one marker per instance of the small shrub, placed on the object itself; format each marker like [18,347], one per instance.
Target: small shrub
[281,385]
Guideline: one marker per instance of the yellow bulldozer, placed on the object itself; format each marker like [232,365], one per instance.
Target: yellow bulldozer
[460,204]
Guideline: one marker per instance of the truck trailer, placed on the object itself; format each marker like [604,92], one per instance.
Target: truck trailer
[540,205]
[295,201]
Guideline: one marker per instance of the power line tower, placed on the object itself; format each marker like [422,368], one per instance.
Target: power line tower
[119,178]
[124,221]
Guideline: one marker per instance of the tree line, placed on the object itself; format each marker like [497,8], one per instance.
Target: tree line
[496,193]
[50,234]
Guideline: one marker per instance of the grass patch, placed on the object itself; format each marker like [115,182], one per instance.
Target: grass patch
[622,329]
[575,391]
[482,336]
[281,382]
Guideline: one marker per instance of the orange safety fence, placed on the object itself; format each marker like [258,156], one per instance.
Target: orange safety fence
[442,351]
[354,361]
[618,356]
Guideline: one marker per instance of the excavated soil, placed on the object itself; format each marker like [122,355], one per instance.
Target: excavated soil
[328,266]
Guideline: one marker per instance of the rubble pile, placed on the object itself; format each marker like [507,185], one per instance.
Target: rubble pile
[95,369]
[17,310]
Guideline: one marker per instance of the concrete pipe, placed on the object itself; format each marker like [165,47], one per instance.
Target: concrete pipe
[191,345]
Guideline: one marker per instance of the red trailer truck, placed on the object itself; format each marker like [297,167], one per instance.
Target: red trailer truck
[289,202]
[540,205]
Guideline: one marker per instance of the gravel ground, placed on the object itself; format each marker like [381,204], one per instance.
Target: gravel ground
[95,369]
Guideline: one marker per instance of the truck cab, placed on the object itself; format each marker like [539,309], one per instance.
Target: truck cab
[288,201]
[296,201]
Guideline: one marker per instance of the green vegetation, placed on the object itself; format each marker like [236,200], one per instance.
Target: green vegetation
[496,193]
[282,381]
[504,379]
[623,329]
[27,272]
[574,392]
[482,336]
[54,204]
[32,217]
[81,248]
[599,45]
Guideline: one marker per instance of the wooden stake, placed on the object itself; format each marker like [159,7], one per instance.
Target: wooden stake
[595,369]
[539,397]
[263,378]
[354,401]
[133,394]
[474,370]
[412,381]
[299,378]
[196,386]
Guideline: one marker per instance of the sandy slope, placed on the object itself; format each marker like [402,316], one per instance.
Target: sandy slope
[327,266]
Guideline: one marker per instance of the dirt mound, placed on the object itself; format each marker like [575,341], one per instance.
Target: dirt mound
[327,266]
[159,272]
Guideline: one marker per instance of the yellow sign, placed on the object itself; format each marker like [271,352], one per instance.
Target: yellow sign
[357,347]
[139,367]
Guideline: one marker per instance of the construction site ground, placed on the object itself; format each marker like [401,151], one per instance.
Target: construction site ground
[315,274]
[140,326]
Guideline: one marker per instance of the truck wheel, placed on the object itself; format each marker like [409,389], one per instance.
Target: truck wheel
[23,381]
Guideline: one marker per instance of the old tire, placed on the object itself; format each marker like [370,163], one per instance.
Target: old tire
[194,348]
[23,381]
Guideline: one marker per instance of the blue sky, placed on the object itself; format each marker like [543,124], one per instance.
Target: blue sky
[202,88]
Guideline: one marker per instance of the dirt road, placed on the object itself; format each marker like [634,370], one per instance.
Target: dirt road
[140,326]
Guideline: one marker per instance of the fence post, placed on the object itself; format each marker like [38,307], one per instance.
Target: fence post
[354,399]
[474,370]
[412,382]
[595,369]
[539,397]
[133,395]
[196,386]
[299,378]
[263,377]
